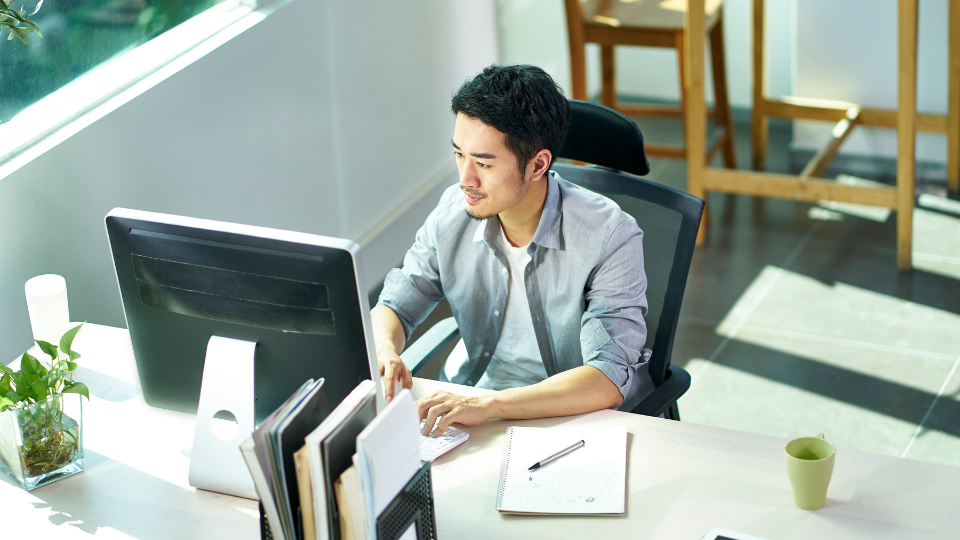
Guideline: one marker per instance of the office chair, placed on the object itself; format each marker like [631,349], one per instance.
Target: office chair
[668,217]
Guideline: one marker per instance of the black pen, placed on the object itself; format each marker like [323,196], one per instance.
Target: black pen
[559,454]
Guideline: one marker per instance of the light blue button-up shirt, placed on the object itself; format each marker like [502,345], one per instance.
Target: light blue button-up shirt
[585,285]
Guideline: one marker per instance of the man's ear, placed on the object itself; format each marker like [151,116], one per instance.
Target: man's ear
[540,164]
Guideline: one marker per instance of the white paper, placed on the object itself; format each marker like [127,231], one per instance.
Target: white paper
[590,480]
[389,453]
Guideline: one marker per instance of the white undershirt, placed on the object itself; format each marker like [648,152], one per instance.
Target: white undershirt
[516,362]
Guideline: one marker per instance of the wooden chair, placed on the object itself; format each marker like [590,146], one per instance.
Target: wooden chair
[648,23]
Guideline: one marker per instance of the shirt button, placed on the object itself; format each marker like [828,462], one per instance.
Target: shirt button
[504,270]
[497,313]
[486,354]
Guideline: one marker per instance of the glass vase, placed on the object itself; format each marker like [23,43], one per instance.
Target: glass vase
[42,442]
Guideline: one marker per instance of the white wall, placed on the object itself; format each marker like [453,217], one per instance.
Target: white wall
[848,51]
[322,118]
[535,32]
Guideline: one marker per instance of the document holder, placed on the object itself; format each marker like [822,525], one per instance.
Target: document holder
[413,505]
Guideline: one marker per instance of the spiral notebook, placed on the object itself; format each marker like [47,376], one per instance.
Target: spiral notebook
[590,480]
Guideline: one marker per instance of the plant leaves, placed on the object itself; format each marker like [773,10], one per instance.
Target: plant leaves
[67,340]
[14,31]
[71,366]
[48,348]
[29,364]
[16,14]
[5,403]
[29,369]
[6,370]
[5,385]
[38,390]
[32,25]
[74,355]
[77,388]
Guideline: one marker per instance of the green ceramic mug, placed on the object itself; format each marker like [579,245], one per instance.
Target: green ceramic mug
[809,466]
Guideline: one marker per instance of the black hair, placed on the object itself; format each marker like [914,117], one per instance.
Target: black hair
[523,103]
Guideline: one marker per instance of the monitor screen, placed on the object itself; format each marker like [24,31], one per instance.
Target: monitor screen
[298,296]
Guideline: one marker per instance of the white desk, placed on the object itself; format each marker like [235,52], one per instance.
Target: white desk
[136,460]
[683,479]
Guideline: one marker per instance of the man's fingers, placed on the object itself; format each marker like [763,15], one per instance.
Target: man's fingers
[424,404]
[432,415]
[445,422]
[388,379]
[406,378]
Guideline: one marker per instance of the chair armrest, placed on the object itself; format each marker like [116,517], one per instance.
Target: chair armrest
[676,383]
[423,349]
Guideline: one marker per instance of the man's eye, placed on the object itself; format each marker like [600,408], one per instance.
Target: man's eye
[458,154]
[482,165]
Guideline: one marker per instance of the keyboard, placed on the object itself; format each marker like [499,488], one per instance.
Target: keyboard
[432,448]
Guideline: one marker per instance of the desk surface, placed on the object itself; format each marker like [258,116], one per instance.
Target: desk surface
[683,479]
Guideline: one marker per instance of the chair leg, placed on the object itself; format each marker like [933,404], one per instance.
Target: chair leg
[953,107]
[681,65]
[685,122]
[722,105]
[608,88]
[578,73]
[578,52]
[672,412]
[907,11]
[759,119]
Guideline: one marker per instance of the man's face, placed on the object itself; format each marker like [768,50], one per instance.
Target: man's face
[489,176]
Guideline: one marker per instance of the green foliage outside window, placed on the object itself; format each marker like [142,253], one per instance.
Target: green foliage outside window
[77,36]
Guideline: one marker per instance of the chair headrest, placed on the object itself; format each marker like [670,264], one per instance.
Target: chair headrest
[604,137]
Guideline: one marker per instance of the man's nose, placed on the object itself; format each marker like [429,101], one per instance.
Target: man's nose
[468,176]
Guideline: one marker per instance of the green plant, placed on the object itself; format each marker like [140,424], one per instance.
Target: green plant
[50,438]
[35,382]
[12,19]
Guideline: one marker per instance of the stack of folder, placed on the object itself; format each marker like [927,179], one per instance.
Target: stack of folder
[329,476]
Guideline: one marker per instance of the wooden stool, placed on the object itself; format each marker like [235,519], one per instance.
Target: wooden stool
[649,23]
[807,186]
[849,114]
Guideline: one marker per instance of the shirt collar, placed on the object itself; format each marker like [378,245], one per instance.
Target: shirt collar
[548,231]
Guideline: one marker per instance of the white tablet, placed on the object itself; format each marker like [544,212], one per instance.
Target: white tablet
[725,534]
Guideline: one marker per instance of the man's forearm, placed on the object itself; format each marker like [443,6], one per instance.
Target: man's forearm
[387,329]
[576,391]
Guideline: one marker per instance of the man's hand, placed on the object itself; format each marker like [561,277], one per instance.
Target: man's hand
[392,370]
[388,338]
[450,408]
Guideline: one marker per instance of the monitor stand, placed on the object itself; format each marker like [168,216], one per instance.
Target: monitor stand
[217,464]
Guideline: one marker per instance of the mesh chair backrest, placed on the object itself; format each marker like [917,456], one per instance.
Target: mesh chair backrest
[605,137]
[669,220]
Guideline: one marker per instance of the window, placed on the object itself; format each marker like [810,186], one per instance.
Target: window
[77,36]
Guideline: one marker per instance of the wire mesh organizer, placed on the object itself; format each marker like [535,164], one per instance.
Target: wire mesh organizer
[413,505]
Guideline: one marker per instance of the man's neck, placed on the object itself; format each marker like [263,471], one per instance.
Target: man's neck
[521,220]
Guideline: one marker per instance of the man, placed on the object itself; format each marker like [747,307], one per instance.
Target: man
[545,279]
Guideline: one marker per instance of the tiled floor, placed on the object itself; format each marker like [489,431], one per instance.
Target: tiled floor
[795,320]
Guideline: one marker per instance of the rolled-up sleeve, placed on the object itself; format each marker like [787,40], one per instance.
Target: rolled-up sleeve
[613,330]
[414,290]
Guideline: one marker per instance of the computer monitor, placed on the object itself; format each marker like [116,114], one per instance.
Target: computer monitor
[300,297]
